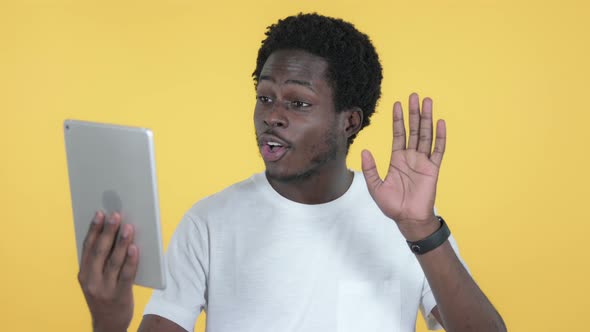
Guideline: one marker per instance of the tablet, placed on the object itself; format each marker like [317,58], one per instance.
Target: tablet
[112,168]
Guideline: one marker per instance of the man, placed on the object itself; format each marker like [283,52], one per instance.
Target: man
[308,245]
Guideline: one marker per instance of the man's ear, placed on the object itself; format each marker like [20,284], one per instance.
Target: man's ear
[353,121]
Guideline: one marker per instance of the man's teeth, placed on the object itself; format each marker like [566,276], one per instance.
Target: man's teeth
[273,144]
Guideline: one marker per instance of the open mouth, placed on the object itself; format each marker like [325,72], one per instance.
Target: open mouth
[272,151]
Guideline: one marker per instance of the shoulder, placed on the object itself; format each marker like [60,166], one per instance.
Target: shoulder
[214,211]
[227,200]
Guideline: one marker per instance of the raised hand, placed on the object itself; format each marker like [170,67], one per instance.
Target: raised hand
[107,271]
[408,191]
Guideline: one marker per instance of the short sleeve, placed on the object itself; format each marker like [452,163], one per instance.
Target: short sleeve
[427,302]
[187,266]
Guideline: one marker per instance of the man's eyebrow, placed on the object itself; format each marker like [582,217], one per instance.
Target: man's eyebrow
[306,84]
[266,78]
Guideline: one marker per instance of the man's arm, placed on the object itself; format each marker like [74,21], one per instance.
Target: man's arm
[407,195]
[154,323]
[461,305]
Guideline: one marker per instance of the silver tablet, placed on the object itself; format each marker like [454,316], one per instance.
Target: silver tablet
[112,168]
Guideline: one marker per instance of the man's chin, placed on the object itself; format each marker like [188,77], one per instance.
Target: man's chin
[286,176]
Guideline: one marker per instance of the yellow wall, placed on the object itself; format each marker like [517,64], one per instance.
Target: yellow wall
[510,77]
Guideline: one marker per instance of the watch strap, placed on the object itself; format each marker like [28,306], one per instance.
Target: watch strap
[433,241]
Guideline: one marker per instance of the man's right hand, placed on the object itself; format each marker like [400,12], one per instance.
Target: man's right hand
[107,271]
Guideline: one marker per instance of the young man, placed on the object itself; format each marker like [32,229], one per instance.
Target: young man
[308,245]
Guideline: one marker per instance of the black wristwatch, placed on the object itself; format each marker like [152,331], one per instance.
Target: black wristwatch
[433,241]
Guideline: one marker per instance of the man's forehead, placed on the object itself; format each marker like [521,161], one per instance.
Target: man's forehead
[294,65]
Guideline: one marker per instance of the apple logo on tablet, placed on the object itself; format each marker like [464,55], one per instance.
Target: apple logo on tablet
[111,202]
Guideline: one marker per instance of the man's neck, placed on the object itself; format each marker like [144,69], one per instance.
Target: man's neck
[321,187]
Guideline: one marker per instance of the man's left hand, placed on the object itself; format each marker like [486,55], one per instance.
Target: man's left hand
[408,192]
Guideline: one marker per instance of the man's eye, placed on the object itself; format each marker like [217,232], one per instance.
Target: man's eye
[300,104]
[263,99]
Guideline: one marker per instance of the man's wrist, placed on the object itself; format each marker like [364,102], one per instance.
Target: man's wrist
[418,230]
[107,328]
[433,241]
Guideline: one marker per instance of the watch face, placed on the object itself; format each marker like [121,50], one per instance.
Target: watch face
[415,248]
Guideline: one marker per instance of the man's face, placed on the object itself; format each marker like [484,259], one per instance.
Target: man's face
[297,127]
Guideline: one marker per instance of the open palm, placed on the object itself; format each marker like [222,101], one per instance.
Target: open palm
[408,192]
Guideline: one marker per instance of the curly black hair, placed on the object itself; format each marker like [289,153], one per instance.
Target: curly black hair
[354,71]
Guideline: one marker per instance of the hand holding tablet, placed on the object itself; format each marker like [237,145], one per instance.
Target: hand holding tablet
[107,270]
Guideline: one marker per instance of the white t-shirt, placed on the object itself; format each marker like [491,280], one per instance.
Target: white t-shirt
[256,261]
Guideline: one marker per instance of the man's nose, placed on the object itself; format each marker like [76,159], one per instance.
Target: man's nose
[276,116]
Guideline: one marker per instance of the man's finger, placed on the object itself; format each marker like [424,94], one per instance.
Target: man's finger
[399,129]
[104,244]
[129,270]
[425,140]
[94,231]
[370,172]
[440,143]
[414,106]
[117,259]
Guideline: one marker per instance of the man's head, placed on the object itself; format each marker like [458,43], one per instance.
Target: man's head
[354,71]
[317,84]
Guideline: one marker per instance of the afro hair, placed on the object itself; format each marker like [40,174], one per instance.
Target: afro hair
[354,71]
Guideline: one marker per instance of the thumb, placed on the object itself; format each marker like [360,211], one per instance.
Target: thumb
[370,171]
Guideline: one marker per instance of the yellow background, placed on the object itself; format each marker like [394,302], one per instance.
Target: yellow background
[510,78]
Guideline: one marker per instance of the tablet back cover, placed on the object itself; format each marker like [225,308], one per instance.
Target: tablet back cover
[112,168]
